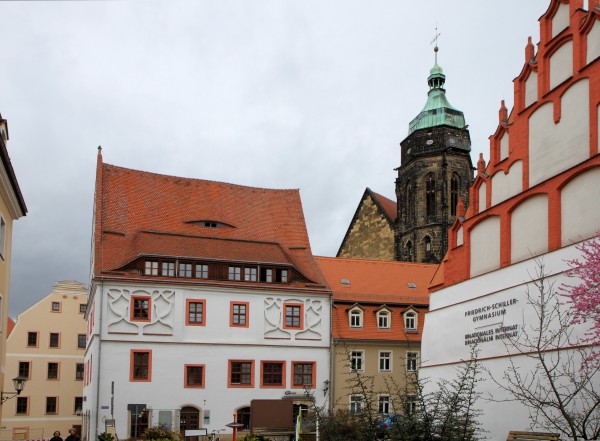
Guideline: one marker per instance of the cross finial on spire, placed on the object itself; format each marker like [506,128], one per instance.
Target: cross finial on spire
[435,40]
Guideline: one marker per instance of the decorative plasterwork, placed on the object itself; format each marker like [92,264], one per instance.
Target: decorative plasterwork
[274,319]
[119,317]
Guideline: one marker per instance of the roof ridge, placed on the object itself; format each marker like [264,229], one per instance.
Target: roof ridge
[176,178]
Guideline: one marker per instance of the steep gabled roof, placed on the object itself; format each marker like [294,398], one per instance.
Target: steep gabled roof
[140,213]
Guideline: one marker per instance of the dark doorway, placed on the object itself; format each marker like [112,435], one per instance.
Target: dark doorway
[189,419]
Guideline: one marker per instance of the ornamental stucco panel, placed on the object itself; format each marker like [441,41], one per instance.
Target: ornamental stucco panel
[274,319]
[554,148]
[119,312]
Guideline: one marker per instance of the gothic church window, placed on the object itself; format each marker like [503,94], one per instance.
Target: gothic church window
[409,251]
[430,195]
[410,203]
[454,186]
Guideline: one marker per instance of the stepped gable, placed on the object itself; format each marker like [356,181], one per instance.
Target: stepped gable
[374,284]
[538,191]
[141,213]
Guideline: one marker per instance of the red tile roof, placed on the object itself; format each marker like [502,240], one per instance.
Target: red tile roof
[371,284]
[389,207]
[139,213]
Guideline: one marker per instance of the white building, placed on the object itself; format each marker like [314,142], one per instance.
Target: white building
[537,196]
[204,297]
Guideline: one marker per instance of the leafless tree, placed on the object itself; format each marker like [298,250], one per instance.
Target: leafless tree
[560,390]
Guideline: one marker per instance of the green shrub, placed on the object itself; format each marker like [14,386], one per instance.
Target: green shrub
[106,437]
[160,433]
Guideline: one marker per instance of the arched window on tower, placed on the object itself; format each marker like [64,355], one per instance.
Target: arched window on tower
[410,204]
[430,195]
[454,186]
[427,243]
[409,251]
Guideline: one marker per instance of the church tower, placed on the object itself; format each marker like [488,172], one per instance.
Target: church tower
[434,176]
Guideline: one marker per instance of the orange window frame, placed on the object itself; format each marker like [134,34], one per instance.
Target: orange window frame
[283,374]
[185,376]
[132,309]
[37,339]
[187,312]
[50,340]
[231,314]
[313,374]
[132,365]
[300,306]
[52,307]
[230,372]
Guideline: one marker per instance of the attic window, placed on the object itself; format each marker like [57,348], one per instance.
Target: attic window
[412,285]
[210,223]
[345,281]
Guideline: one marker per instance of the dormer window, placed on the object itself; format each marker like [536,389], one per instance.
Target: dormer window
[356,318]
[168,269]
[235,273]
[151,268]
[383,319]
[209,224]
[410,320]
[250,274]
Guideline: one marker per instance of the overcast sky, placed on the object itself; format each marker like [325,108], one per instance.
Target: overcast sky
[311,94]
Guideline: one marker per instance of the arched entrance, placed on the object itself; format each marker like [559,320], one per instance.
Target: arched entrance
[189,419]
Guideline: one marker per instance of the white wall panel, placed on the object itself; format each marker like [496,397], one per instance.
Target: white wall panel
[460,236]
[554,148]
[506,186]
[593,43]
[529,228]
[482,197]
[561,64]
[504,146]
[531,89]
[485,246]
[560,20]
[580,207]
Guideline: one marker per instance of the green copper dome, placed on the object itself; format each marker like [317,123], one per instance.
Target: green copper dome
[437,111]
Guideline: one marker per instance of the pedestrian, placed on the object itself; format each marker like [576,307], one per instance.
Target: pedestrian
[56,437]
[72,436]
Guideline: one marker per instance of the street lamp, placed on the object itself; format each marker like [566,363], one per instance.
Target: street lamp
[19,383]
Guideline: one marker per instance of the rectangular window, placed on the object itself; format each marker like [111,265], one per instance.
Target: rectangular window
[81,341]
[32,339]
[51,405]
[411,361]
[55,306]
[266,275]
[239,314]
[385,361]
[357,360]
[140,309]
[195,310]
[410,321]
[273,374]
[383,320]
[411,404]
[356,403]
[151,268]
[22,405]
[241,373]
[168,269]
[54,339]
[194,375]
[303,373]
[356,318]
[141,365]
[77,405]
[282,276]
[82,308]
[293,316]
[185,270]
[79,371]
[250,274]
[52,371]
[235,273]
[384,404]
[24,369]
[202,271]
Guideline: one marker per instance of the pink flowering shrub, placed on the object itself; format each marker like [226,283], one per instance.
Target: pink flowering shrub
[585,297]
